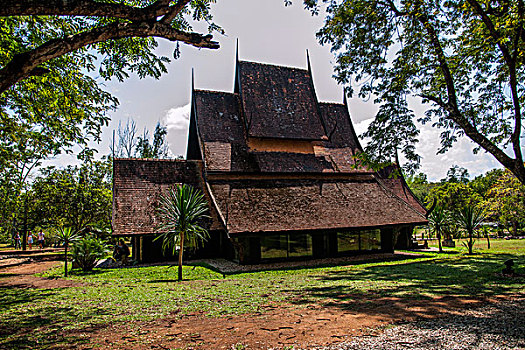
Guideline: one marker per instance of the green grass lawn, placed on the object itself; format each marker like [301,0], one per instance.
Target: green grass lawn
[35,318]
[496,245]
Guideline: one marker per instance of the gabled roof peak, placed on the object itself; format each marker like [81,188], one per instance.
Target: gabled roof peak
[274,65]
[215,92]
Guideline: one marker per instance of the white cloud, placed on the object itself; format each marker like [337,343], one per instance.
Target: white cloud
[360,127]
[178,118]
[437,165]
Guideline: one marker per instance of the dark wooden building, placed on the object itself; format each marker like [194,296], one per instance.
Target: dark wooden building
[278,169]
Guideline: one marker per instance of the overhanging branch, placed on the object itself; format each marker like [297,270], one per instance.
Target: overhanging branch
[22,65]
[174,11]
[511,61]
[471,131]
[83,8]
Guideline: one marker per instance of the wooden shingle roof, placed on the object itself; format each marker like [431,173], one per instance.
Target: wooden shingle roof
[273,206]
[279,102]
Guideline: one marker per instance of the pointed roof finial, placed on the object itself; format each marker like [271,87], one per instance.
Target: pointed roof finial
[192,80]
[237,51]
[308,62]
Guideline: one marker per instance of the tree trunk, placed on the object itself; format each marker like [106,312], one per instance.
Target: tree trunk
[470,242]
[181,250]
[488,241]
[439,242]
[24,235]
[65,260]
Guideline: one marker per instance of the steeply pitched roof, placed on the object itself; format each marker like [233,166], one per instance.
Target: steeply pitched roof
[275,160]
[279,102]
[273,205]
[395,183]
[219,116]
[338,126]
[221,131]
[137,186]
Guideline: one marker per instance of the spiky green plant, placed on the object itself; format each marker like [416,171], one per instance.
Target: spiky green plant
[179,212]
[438,220]
[66,235]
[87,251]
[470,219]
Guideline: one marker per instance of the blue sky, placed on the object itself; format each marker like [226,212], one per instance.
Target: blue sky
[271,33]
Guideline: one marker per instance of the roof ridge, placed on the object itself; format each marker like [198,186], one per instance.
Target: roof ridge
[216,91]
[274,65]
[156,159]
[331,103]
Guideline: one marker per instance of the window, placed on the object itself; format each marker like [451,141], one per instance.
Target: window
[299,245]
[356,241]
[347,241]
[291,245]
[274,246]
[370,239]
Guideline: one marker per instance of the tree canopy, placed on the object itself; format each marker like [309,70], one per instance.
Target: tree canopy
[463,59]
[54,57]
[505,201]
[497,192]
[50,51]
[120,31]
[126,143]
[76,196]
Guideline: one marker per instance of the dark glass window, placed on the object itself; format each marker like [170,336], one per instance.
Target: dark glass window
[347,242]
[299,245]
[274,246]
[370,239]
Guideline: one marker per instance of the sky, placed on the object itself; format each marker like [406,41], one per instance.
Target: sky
[268,32]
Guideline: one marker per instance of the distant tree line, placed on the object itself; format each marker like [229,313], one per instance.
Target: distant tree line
[78,197]
[497,192]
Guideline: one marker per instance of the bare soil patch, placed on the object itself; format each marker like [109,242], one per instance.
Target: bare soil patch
[22,276]
[280,326]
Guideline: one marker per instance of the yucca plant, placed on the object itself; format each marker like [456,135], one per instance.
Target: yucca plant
[179,212]
[66,235]
[470,219]
[438,220]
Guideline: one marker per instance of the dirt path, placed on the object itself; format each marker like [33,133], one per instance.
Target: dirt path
[22,276]
[280,327]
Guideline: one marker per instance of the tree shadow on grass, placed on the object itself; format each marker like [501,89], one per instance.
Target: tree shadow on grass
[313,264]
[94,272]
[398,286]
[30,319]
[10,296]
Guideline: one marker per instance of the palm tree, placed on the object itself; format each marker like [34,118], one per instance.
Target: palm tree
[179,213]
[438,220]
[470,218]
[486,234]
[66,235]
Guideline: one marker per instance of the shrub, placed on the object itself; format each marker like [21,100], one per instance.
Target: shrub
[87,251]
